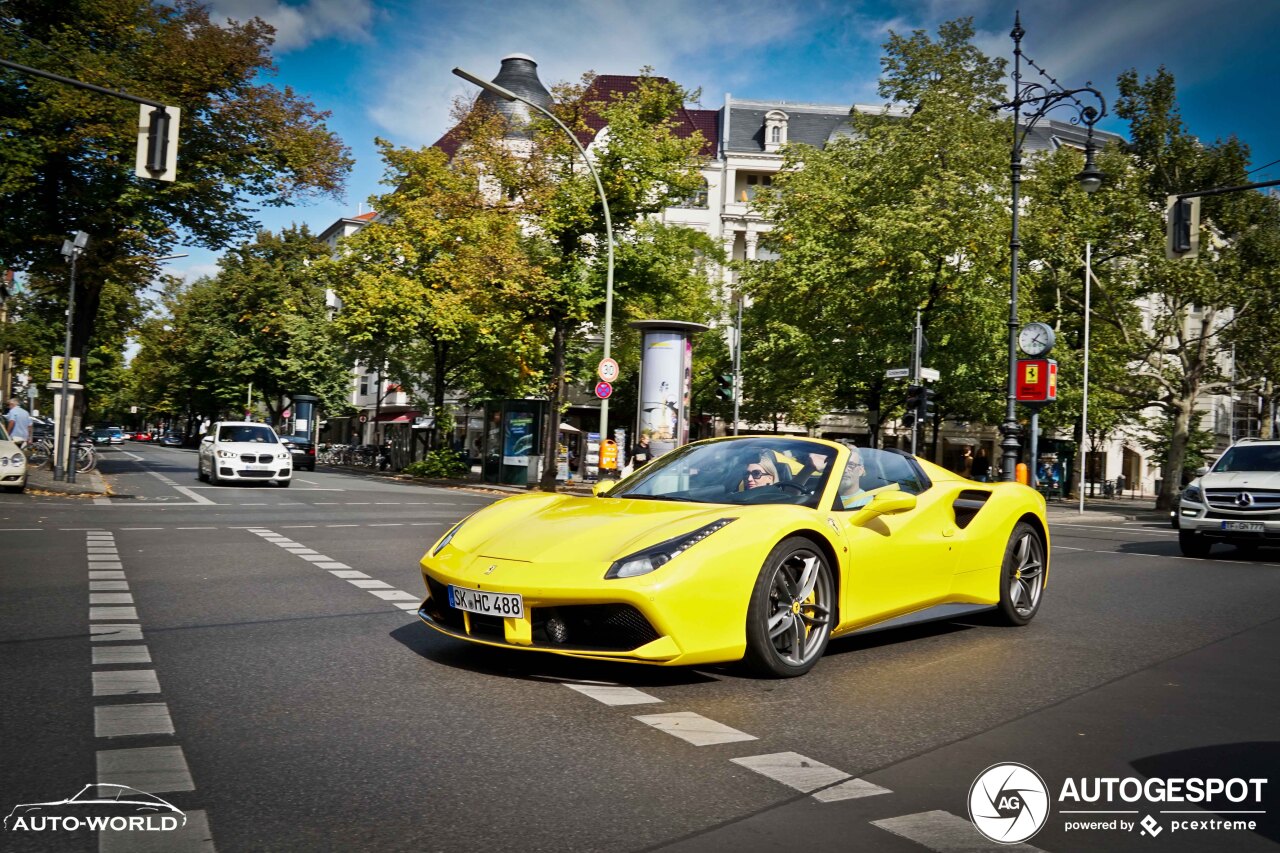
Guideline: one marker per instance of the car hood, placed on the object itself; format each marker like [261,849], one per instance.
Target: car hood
[567,529]
[1241,479]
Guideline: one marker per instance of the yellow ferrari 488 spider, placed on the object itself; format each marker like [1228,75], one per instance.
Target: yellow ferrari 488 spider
[761,547]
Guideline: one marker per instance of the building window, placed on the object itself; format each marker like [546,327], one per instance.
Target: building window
[752,184]
[696,199]
[775,130]
[364,386]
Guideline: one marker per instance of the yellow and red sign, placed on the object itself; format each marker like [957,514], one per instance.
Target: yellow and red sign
[1037,380]
[608,454]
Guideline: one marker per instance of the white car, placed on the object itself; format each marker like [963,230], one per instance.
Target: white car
[13,464]
[241,451]
[1235,501]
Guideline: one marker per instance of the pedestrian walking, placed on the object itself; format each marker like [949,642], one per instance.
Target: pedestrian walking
[384,455]
[641,454]
[18,423]
[981,466]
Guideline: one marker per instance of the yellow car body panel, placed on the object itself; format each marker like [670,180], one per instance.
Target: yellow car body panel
[554,551]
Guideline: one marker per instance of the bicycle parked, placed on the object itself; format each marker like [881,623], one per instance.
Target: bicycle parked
[40,455]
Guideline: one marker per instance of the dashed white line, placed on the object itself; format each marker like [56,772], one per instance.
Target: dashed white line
[808,776]
[125,682]
[113,613]
[943,832]
[110,598]
[154,769]
[111,633]
[694,728]
[613,694]
[120,654]
[139,718]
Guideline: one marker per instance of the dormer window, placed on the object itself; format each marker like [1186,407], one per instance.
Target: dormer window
[775,130]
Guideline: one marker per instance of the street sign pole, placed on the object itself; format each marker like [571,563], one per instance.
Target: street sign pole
[915,378]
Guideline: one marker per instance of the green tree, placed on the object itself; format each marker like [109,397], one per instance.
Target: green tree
[644,166]
[67,161]
[905,215]
[434,289]
[261,322]
[1197,308]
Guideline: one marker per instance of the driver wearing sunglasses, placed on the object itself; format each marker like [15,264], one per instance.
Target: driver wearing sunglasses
[761,472]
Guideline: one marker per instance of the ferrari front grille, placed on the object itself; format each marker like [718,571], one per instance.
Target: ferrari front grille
[612,627]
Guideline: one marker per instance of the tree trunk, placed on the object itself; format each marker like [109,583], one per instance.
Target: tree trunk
[551,441]
[1171,470]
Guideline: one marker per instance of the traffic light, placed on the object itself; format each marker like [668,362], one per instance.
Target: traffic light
[926,403]
[724,386]
[915,399]
[1183,238]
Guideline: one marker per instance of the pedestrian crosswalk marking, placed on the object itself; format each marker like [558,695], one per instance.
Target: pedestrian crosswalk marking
[694,728]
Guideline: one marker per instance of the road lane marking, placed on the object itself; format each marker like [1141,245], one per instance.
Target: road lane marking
[614,694]
[410,605]
[115,633]
[106,576]
[394,595]
[345,575]
[369,584]
[943,832]
[1062,528]
[105,655]
[154,769]
[694,728]
[113,613]
[105,585]
[827,784]
[110,598]
[125,682]
[139,718]
[333,565]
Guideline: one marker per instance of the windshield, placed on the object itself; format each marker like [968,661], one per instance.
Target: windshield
[757,470]
[1258,457]
[256,434]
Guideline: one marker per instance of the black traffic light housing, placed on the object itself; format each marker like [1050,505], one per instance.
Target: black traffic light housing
[915,399]
[724,386]
[925,411]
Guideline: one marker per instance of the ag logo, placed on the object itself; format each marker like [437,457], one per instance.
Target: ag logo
[1008,803]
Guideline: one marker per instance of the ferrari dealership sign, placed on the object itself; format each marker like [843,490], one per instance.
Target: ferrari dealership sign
[1037,380]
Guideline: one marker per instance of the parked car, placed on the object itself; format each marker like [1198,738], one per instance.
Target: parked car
[242,451]
[142,436]
[171,439]
[303,451]
[101,437]
[117,435]
[13,464]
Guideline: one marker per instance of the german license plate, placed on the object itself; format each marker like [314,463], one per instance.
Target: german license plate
[1245,526]
[505,604]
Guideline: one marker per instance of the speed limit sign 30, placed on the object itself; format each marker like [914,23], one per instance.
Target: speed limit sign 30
[608,370]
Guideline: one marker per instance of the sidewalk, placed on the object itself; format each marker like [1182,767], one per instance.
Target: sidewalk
[1105,509]
[89,484]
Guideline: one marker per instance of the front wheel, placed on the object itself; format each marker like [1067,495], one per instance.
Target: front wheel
[1193,544]
[284,484]
[1022,575]
[792,610]
[86,459]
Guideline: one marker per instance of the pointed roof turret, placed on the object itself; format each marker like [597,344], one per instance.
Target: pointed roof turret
[519,74]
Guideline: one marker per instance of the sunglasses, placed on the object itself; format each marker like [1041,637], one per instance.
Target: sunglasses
[757,473]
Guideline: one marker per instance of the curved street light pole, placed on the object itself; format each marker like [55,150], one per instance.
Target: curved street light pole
[1032,102]
[507,94]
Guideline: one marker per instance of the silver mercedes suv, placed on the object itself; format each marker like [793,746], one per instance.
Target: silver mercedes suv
[1236,501]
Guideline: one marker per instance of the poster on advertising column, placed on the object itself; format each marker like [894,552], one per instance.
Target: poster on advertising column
[666,367]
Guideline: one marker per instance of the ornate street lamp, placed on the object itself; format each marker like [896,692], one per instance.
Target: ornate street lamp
[507,94]
[1032,102]
[64,464]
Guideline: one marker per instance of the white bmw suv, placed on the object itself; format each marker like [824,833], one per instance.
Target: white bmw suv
[240,451]
[1236,501]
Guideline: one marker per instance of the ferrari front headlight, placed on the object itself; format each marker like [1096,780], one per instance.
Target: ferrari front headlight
[448,537]
[655,556]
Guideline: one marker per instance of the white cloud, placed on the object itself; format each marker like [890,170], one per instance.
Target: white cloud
[300,25]
[709,44]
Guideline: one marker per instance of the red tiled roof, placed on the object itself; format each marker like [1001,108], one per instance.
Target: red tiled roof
[367,216]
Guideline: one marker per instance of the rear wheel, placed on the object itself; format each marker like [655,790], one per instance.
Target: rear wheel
[792,610]
[1022,575]
[1193,544]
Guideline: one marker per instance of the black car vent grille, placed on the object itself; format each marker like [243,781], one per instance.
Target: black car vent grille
[607,627]
[968,504]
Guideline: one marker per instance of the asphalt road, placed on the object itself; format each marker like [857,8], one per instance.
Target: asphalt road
[250,654]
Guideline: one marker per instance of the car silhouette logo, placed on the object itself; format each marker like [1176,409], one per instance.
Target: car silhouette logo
[96,801]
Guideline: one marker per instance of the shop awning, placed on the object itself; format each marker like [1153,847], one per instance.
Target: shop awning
[397,417]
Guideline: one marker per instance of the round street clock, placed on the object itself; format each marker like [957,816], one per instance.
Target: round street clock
[1036,339]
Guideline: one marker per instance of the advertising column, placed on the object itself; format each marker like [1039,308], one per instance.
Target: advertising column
[666,370]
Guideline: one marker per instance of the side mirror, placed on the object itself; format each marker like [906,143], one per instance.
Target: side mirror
[206,439]
[1202,470]
[603,487]
[891,503]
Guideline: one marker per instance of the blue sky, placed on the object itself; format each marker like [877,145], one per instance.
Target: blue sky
[382,67]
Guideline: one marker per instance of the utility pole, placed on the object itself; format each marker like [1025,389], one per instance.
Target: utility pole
[917,344]
[737,365]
